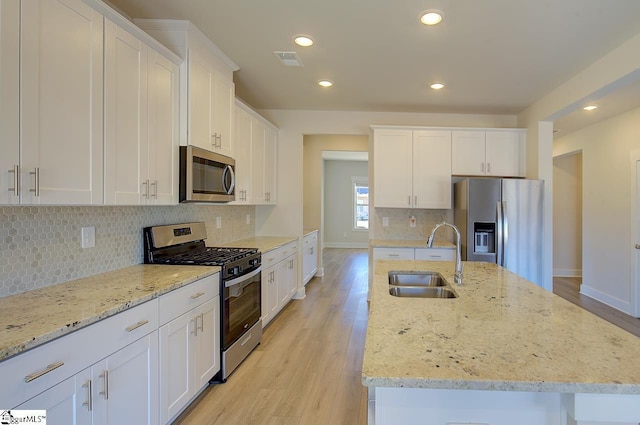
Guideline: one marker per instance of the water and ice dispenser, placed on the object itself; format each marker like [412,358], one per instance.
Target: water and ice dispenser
[484,238]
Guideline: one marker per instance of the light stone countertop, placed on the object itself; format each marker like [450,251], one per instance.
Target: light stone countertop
[35,317]
[263,243]
[502,333]
[306,232]
[399,243]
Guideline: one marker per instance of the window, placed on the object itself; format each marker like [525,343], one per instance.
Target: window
[360,203]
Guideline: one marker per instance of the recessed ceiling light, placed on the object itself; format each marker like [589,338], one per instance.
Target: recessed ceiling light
[431,17]
[325,83]
[590,107]
[303,40]
[437,86]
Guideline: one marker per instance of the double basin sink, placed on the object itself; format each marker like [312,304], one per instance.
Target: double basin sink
[419,284]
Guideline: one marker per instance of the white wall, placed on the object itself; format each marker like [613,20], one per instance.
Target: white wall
[607,194]
[567,215]
[338,204]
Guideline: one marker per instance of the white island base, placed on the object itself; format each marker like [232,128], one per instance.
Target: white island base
[411,406]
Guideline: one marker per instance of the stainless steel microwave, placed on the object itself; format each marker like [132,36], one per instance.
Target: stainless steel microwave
[206,176]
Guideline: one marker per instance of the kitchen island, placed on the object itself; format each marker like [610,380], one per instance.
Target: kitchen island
[505,351]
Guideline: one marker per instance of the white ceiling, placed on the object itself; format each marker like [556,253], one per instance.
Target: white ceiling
[496,56]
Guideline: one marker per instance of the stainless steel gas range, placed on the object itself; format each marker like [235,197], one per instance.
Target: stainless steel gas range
[240,284]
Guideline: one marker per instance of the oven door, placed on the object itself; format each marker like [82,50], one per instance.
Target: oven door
[241,306]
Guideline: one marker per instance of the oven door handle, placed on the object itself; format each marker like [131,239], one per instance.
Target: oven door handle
[244,277]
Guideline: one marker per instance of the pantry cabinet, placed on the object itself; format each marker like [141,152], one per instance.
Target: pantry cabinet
[61,103]
[141,122]
[412,168]
[207,81]
[488,153]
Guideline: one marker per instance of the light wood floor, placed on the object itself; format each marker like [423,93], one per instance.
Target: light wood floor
[307,369]
[569,289]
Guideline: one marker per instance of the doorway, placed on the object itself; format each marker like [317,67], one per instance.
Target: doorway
[567,216]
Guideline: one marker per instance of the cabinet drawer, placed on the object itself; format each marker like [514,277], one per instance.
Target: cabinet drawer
[276,255]
[288,249]
[393,253]
[178,302]
[435,254]
[55,361]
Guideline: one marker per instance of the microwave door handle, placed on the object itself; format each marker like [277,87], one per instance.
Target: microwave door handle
[228,170]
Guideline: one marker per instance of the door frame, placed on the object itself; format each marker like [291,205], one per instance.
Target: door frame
[635,231]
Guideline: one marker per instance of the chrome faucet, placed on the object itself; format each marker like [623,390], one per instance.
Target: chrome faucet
[457,277]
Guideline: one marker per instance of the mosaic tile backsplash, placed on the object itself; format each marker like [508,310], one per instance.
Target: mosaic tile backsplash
[40,246]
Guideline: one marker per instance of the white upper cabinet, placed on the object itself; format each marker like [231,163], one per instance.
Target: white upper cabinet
[488,153]
[126,138]
[242,139]
[61,103]
[9,101]
[412,168]
[141,122]
[207,120]
[270,164]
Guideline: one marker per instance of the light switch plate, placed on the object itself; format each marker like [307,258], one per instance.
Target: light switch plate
[88,237]
[385,221]
[218,222]
[248,218]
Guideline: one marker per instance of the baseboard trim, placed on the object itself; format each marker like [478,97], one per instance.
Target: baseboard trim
[319,272]
[567,272]
[346,245]
[614,302]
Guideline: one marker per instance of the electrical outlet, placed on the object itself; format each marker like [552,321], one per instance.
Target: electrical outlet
[385,221]
[248,218]
[88,237]
[412,221]
[218,222]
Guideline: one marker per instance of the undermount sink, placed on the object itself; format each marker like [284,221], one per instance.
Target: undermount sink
[421,292]
[416,278]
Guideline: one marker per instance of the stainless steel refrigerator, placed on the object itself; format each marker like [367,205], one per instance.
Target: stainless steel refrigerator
[500,221]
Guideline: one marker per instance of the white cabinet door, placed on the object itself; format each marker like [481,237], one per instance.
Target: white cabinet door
[269,294]
[393,177]
[200,110]
[206,343]
[468,153]
[286,276]
[258,191]
[175,365]
[126,135]
[309,256]
[270,165]
[130,382]
[9,101]
[242,144]
[503,150]
[163,124]
[223,100]
[65,403]
[432,169]
[62,104]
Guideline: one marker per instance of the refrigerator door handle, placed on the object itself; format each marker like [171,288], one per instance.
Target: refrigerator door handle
[499,232]
[505,234]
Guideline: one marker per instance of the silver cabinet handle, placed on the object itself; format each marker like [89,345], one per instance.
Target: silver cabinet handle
[105,384]
[220,140]
[136,326]
[435,256]
[482,167]
[33,376]
[637,246]
[36,173]
[198,295]
[393,255]
[154,186]
[194,332]
[488,167]
[16,180]
[89,402]
[145,189]
[415,201]
[201,316]
[409,200]
[214,137]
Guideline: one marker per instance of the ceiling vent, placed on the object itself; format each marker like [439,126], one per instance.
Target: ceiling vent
[288,58]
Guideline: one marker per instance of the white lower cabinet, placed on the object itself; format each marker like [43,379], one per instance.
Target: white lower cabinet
[189,344]
[309,256]
[141,366]
[279,279]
